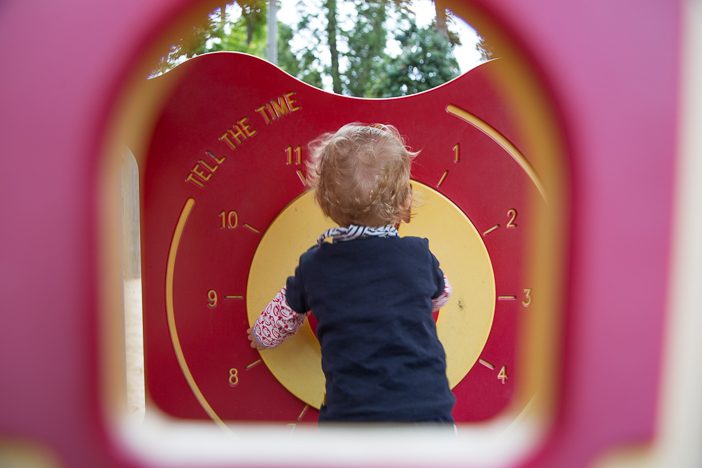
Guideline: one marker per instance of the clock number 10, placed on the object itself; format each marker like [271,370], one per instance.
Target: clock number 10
[228,219]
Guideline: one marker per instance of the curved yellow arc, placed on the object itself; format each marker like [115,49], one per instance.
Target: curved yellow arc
[170,312]
[502,141]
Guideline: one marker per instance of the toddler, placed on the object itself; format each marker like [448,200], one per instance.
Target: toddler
[372,292]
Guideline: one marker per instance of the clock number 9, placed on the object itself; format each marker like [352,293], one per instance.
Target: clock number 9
[228,219]
[212,299]
[502,375]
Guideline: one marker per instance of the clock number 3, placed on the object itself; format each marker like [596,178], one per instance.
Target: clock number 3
[526,302]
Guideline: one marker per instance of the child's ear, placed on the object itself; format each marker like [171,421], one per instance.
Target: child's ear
[407,208]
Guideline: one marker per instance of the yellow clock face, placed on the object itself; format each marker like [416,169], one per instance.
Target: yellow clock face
[463,324]
[226,217]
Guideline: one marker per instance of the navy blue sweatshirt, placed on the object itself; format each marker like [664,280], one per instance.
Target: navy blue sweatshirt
[381,356]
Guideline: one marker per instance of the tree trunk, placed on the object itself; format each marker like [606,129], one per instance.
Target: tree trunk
[331,37]
[272,50]
[441,18]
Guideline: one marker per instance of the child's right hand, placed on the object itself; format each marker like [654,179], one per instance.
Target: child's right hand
[253,341]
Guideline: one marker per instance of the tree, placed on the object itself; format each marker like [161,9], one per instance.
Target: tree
[345,43]
[333,49]
[486,52]
[366,48]
[426,61]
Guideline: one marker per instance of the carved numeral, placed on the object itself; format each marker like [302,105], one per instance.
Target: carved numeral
[502,375]
[512,217]
[228,219]
[212,299]
[233,377]
[294,155]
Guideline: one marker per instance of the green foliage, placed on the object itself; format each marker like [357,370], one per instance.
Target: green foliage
[486,52]
[345,43]
[426,61]
[366,49]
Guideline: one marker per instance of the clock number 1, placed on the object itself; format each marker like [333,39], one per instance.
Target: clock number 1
[456,153]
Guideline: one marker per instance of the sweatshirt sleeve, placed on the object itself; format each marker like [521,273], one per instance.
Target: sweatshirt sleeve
[277,322]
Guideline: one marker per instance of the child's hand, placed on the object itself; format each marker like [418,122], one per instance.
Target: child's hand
[253,341]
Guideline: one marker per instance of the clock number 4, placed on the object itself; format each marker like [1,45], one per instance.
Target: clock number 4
[502,375]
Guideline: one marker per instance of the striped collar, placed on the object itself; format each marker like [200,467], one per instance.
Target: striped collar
[343,234]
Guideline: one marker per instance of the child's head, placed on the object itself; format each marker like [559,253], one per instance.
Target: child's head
[361,175]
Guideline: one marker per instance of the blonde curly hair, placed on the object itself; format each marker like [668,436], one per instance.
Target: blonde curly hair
[361,175]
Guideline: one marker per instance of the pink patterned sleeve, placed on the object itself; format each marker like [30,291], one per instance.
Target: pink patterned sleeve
[277,322]
[443,298]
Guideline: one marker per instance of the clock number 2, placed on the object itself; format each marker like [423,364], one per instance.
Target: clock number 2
[512,217]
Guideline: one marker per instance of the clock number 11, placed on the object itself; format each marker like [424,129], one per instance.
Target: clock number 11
[294,155]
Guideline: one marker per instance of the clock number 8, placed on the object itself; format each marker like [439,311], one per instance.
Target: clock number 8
[233,377]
